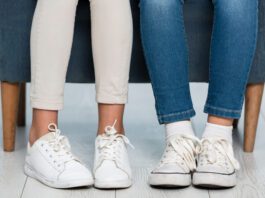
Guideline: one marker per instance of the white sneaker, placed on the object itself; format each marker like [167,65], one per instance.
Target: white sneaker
[216,164]
[111,165]
[177,162]
[50,161]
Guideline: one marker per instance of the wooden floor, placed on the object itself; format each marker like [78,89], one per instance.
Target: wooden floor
[78,122]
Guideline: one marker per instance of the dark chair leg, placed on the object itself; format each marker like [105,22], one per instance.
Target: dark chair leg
[10,99]
[253,96]
[21,118]
[235,123]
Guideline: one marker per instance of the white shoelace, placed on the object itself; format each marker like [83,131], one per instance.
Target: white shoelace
[60,147]
[110,144]
[216,151]
[181,149]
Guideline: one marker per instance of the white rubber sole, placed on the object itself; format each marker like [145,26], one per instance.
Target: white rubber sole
[214,180]
[169,180]
[55,184]
[113,184]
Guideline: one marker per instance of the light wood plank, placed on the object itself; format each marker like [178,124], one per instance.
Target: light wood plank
[34,188]
[12,178]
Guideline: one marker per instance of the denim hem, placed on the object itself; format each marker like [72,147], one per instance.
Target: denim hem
[222,112]
[175,117]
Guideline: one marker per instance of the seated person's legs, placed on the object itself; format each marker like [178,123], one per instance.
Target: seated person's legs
[49,158]
[165,48]
[112,45]
[232,50]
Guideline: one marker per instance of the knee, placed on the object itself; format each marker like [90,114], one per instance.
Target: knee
[61,5]
[56,8]
[235,13]
[70,3]
[235,8]
[162,5]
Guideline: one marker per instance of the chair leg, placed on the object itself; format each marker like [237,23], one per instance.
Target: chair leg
[253,100]
[10,99]
[21,117]
[235,123]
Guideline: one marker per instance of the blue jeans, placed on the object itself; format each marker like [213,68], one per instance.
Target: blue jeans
[232,49]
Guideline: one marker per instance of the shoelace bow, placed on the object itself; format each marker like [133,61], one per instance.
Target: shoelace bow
[109,141]
[217,147]
[186,147]
[60,144]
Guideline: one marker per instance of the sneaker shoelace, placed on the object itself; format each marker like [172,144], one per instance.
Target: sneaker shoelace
[181,150]
[61,149]
[110,144]
[217,151]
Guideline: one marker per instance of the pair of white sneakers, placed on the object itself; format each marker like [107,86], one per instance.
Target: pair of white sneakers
[187,160]
[50,161]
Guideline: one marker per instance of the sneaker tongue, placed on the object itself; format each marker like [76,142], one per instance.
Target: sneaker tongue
[104,139]
[48,136]
[106,136]
[51,135]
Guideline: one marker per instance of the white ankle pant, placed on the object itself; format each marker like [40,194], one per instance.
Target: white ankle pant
[51,42]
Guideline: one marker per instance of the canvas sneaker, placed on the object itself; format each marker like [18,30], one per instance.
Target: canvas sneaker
[216,164]
[111,165]
[50,161]
[177,162]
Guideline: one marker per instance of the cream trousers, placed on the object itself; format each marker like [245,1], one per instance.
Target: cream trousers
[51,42]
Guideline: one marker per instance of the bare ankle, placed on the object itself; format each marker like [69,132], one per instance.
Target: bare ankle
[220,120]
[36,133]
[32,136]
[41,120]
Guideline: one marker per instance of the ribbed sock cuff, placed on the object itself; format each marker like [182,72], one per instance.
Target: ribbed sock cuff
[219,131]
[179,128]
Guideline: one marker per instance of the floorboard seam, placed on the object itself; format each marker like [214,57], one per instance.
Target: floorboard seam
[24,187]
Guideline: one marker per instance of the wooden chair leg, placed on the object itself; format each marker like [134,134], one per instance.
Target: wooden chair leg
[21,117]
[253,100]
[10,99]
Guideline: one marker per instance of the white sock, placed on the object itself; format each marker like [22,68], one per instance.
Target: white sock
[219,131]
[178,128]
